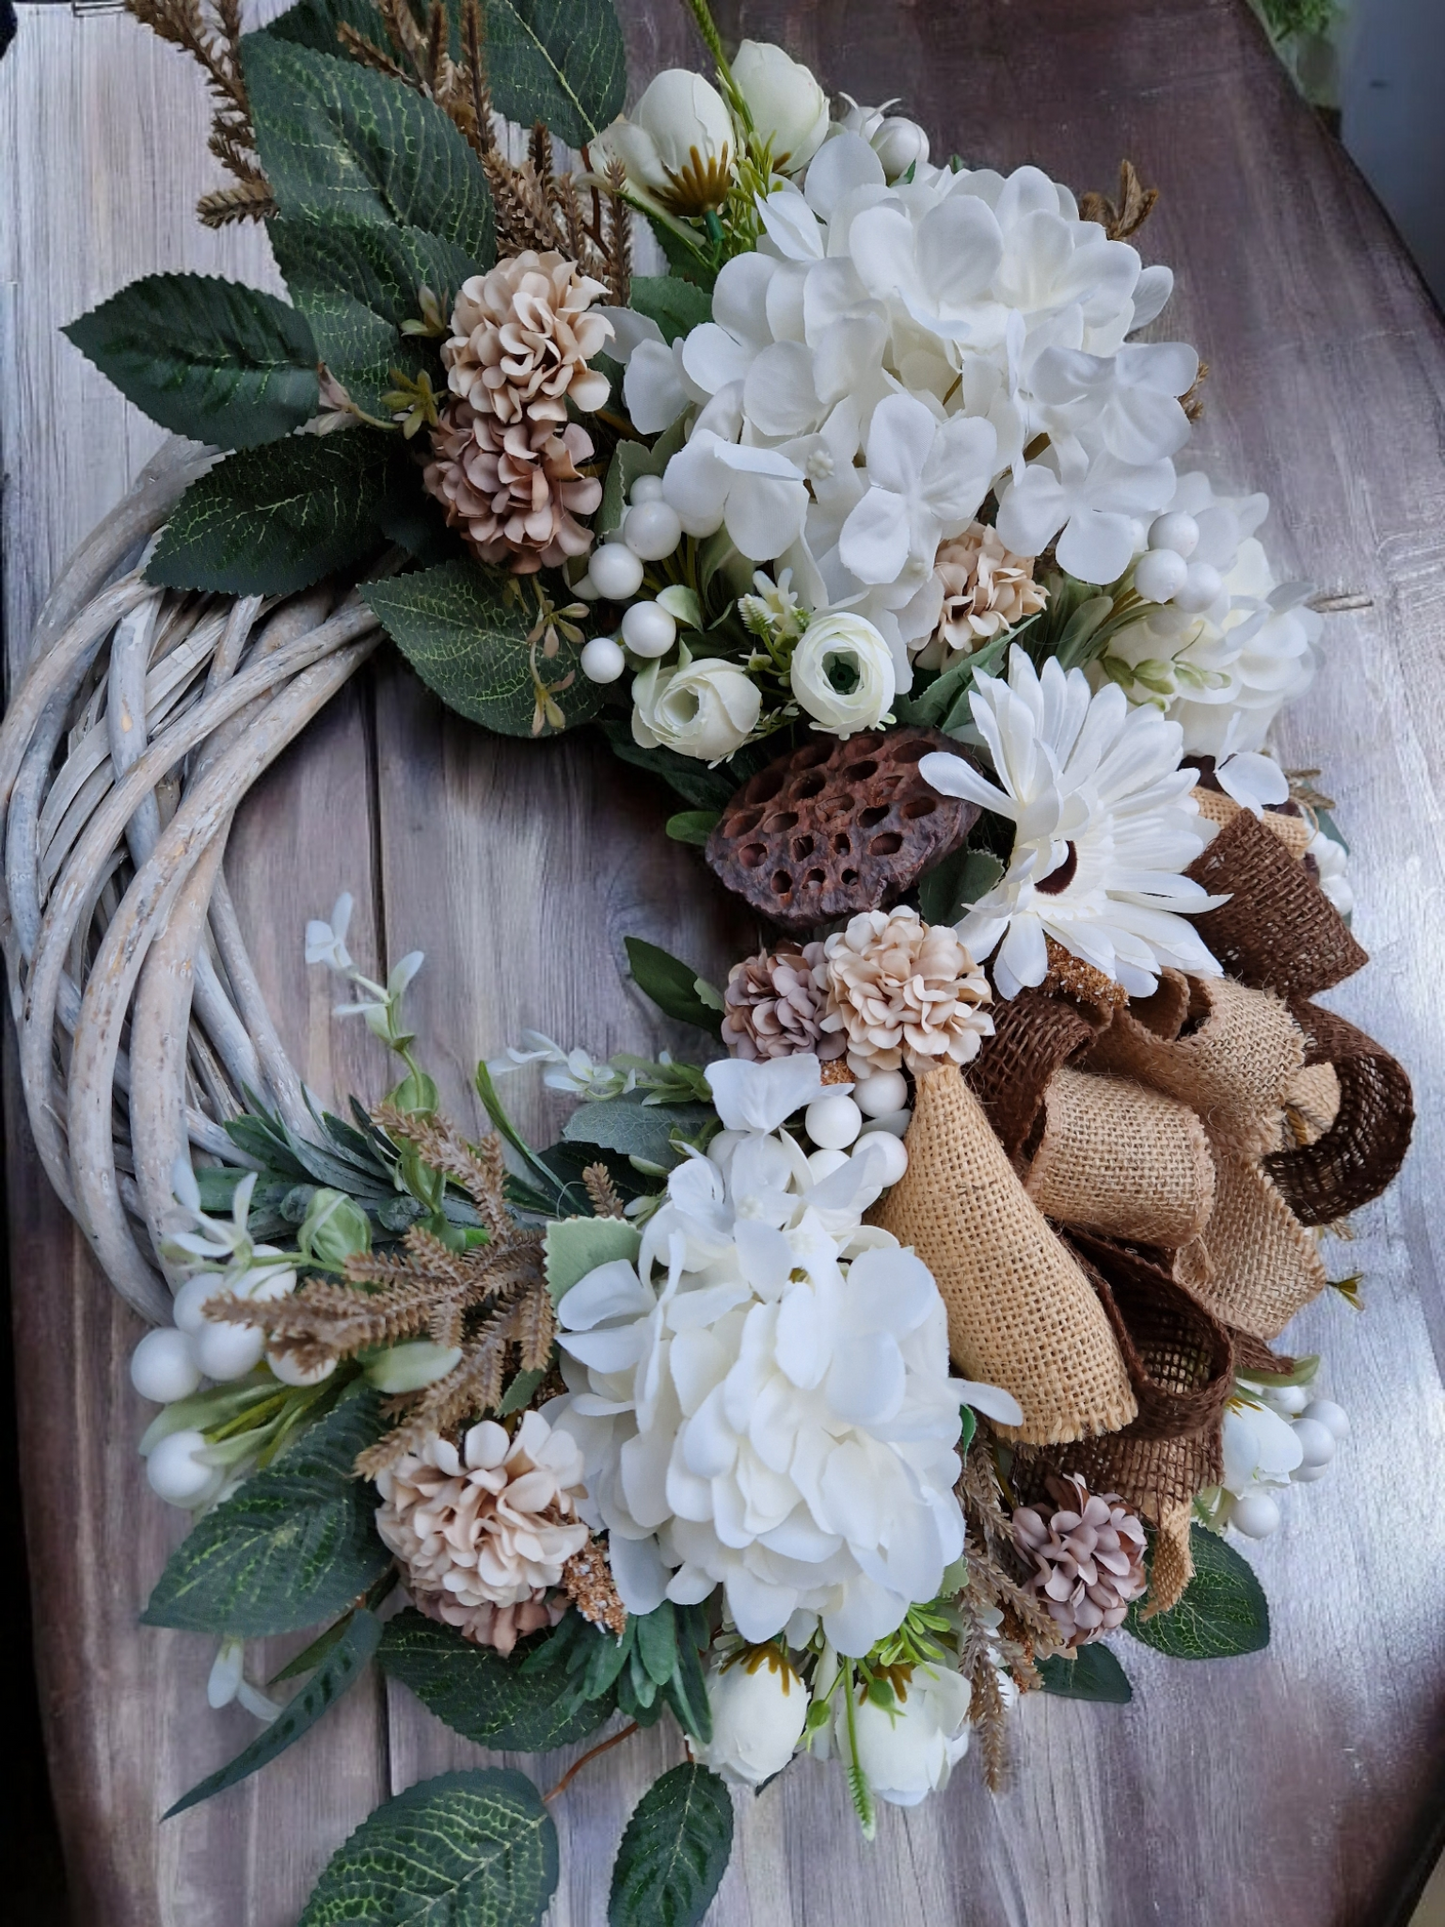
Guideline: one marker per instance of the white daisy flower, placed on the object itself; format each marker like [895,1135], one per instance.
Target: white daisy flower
[1104,828]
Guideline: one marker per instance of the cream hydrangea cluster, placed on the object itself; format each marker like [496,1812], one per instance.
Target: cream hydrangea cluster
[763,1400]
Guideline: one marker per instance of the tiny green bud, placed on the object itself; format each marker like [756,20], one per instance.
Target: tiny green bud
[333,1229]
[410,1366]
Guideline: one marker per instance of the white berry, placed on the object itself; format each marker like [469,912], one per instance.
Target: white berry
[1316,1441]
[647,488]
[823,1164]
[1160,574]
[602,660]
[833,1122]
[266,1281]
[1255,1515]
[616,572]
[648,630]
[1290,1400]
[1175,531]
[163,1367]
[173,1471]
[881,1093]
[1334,1418]
[888,1155]
[192,1298]
[652,530]
[225,1352]
[586,589]
[1307,1474]
[1202,586]
[290,1373]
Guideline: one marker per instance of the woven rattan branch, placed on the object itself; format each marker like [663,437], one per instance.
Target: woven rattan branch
[142,720]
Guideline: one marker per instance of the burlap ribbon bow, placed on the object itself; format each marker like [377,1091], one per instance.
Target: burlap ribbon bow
[1118,1204]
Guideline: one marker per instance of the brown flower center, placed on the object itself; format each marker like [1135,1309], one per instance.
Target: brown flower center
[1058,880]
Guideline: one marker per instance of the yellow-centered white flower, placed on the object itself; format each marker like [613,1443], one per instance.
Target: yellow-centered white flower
[678,147]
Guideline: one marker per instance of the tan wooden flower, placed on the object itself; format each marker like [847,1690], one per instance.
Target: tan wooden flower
[986,590]
[514,490]
[522,338]
[485,1531]
[774,1007]
[903,992]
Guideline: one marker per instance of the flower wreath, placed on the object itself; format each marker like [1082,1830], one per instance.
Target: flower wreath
[862,527]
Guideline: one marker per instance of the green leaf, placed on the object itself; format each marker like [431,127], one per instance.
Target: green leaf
[575,1246]
[341,1668]
[1223,1612]
[692,826]
[204,357]
[951,886]
[699,787]
[479,1694]
[674,1853]
[1092,1674]
[356,282]
[271,520]
[339,143]
[676,306]
[522,1390]
[468,642]
[688,259]
[313,23]
[297,1543]
[635,1128]
[671,986]
[560,61]
[463,1850]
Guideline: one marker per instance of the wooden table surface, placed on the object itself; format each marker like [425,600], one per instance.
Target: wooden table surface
[1287,1789]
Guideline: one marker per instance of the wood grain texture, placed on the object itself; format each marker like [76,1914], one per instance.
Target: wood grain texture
[1282,1790]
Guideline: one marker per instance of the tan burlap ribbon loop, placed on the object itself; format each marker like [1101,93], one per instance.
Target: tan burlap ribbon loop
[1278,931]
[1362,1150]
[1021,1313]
[1034,1034]
[1180,1358]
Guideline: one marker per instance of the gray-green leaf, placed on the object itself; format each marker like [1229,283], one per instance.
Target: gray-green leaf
[676,306]
[270,520]
[1092,1674]
[1223,1612]
[463,1850]
[297,1543]
[341,143]
[956,883]
[575,1246]
[204,357]
[356,282]
[674,1853]
[671,984]
[479,1694]
[468,642]
[342,1667]
[560,61]
[636,1129]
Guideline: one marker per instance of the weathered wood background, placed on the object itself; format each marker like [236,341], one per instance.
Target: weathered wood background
[1288,1789]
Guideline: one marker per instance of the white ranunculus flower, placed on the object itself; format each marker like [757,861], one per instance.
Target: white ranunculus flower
[842,674]
[1105,828]
[908,1752]
[703,709]
[789,108]
[1260,1448]
[758,1705]
[678,147]
[764,1402]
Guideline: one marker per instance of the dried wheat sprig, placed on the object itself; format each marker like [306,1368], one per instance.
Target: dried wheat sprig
[246,201]
[474,73]
[1126,216]
[215,42]
[602,1192]
[368,54]
[617,247]
[477,1168]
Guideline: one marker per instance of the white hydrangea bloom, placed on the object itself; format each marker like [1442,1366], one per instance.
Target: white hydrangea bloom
[764,1400]
[1104,827]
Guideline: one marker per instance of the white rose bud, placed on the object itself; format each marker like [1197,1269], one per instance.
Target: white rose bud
[899,144]
[908,1751]
[759,1705]
[789,108]
[702,709]
[677,148]
[842,674]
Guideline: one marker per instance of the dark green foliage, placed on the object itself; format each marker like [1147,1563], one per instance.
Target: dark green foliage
[1223,1612]
[676,306]
[674,1853]
[1092,1674]
[483,1696]
[560,61]
[654,1667]
[672,986]
[206,358]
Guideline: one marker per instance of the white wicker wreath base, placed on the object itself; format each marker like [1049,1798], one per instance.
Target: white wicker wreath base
[144,717]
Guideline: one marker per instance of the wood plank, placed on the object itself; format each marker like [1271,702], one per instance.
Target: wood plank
[1283,1788]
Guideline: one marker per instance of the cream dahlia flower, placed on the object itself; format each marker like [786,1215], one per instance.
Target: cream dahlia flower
[522,338]
[485,1531]
[763,1401]
[1104,827]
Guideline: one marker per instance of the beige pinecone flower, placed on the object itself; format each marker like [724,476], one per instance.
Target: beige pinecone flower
[986,590]
[903,993]
[485,1532]
[1088,1555]
[522,337]
[775,1009]
[514,491]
